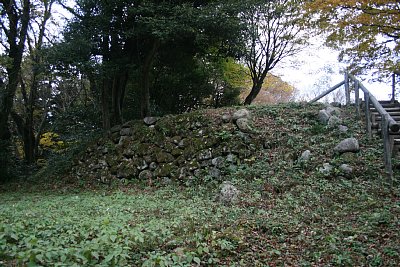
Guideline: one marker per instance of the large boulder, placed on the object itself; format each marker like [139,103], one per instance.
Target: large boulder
[323,116]
[241,113]
[333,121]
[150,120]
[343,129]
[347,145]
[226,118]
[332,110]
[229,193]
[346,169]
[326,169]
[243,125]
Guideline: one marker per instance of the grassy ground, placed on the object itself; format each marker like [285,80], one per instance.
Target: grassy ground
[288,213]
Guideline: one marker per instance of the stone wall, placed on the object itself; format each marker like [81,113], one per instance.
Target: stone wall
[182,147]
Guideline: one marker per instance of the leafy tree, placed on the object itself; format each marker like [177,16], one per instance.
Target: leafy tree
[15,16]
[275,90]
[126,44]
[366,32]
[227,78]
[273,33]
[32,101]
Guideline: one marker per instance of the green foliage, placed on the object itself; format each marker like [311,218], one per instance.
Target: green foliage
[365,32]
[5,161]
[287,213]
[112,230]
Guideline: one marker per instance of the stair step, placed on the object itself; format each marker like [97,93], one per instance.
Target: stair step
[391,113]
[389,105]
[379,118]
[395,135]
[392,109]
[388,102]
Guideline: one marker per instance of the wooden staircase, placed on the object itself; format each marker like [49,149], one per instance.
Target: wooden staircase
[374,110]
[393,108]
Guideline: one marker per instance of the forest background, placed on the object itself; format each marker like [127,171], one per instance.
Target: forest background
[128,60]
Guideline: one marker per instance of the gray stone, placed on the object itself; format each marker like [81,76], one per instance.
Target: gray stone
[347,145]
[176,140]
[198,173]
[145,175]
[182,143]
[115,129]
[205,163]
[346,169]
[123,140]
[153,166]
[333,111]
[218,162]
[143,166]
[333,121]
[214,173]
[228,194]
[241,113]
[125,132]
[150,120]
[183,173]
[205,154]
[231,158]
[103,163]
[326,168]
[226,118]
[166,180]
[323,116]
[243,125]
[305,156]
[343,129]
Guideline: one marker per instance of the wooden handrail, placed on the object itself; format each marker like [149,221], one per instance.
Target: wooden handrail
[393,125]
[330,90]
[388,123]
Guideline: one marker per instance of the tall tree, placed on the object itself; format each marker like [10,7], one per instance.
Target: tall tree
[273,33]
[366,32]
[30,112]
[126,40]
[15,16]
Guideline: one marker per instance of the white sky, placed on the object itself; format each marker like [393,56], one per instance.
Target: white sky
[307,68]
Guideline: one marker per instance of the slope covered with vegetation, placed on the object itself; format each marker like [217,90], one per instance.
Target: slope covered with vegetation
[287,213]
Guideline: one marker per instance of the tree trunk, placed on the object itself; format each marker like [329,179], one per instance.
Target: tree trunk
[16,39]
[145,79]
[28,137]
[118,91]
[256,88]
[105,106]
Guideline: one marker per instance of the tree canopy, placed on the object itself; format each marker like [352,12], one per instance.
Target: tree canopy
[366,32]
[273,32]
[119,60]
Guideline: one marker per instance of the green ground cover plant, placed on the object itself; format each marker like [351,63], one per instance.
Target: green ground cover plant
[288,213]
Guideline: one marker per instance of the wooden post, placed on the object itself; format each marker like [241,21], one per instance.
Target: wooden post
[357,96]
[367,115]
[393,87]
[347,88]
[386,148]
